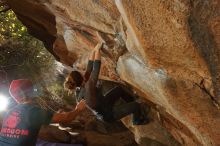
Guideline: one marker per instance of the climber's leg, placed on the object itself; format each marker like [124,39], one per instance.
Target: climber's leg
[130,108]
[116,93]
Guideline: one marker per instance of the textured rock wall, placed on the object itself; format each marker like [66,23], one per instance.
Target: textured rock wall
[166,50]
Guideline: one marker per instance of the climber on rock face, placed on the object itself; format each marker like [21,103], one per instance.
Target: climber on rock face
[104,106]
[22,123]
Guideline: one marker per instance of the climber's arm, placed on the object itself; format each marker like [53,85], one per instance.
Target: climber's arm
[97,64]
[89,66]
[66,117]
[97,53]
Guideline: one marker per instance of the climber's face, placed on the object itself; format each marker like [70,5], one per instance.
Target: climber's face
[69,83]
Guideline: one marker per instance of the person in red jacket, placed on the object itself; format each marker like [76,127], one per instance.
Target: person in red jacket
[22,123]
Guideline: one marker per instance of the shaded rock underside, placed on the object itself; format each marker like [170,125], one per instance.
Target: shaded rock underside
[166,50]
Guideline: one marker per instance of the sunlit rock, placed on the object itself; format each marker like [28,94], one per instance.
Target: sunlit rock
[166,50]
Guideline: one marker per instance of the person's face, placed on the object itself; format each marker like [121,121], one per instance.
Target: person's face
[70,83]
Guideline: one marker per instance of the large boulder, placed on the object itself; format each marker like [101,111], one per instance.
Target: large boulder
[166,50]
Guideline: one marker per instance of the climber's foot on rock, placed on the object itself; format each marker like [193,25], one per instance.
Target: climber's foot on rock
[144,118]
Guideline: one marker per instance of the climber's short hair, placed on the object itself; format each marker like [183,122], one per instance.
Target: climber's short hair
[73,80]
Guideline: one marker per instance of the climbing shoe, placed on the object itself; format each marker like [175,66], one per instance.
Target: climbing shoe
[143,118]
